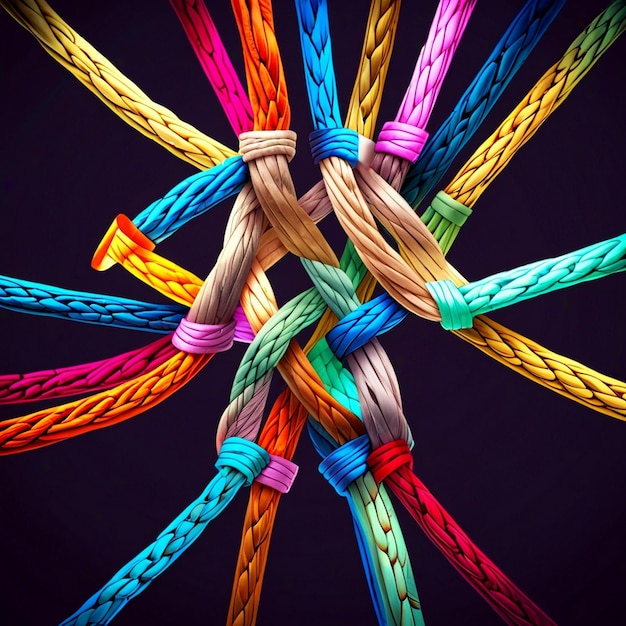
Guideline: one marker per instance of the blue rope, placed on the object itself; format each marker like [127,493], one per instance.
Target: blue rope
[192,197]
[239,462]
[478,99]
[25,296]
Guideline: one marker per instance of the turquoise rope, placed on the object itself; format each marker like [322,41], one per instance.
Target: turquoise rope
[459,305]
[192,197]
[240,461]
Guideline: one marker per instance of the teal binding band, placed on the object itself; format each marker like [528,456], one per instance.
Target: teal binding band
[455,312]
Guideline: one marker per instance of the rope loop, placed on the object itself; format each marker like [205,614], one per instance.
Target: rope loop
[455,312]
[335,142]
[345,464]
[401,139]
[278,474]
[121,229]
[255,144]
[244,456]
[388,458]
[196,338]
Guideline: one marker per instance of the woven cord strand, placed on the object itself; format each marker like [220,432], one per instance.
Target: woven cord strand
[25,296]
[121,95]
[491,598]
[372,72]
[43,428]
[287,235]
[77,379]
[549,92]
[518,41]
[529,281]
[318,60]
[207,44]
[239,462]
[392,460]
[506,599]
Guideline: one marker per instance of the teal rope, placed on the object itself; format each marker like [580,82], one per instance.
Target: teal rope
[240,461]
[459,305]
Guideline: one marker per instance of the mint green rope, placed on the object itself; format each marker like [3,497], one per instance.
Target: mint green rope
[459,305]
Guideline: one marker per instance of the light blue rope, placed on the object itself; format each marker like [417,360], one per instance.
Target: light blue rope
[240,461]
[25,296]
[459,305]
[192,197]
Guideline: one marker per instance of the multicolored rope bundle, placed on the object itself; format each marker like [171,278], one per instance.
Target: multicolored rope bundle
[342,383]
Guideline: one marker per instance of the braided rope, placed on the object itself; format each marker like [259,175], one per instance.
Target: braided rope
[215,62]
[77,379]
[264,71]
[510,603]
[484,91]
[549,92]
[434,60]
[288,220]
[190,198]
[43,428]
[239,463]
[25,296]
[124,243]
[503,595]
[121,95]
[375,57]
[528,281]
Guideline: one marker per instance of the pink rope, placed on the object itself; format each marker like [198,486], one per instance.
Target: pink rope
[206,43]
[432,65]
[86,377]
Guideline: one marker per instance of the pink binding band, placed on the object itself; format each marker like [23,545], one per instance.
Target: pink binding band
[243,330]
[402,140]
[198,338]
[203,338]
[279,474]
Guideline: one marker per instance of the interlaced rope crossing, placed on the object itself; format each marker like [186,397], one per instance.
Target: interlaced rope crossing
[341,386]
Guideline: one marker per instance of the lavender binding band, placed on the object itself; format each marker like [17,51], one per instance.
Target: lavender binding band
[243,330]
[402,140]
[279,474]
[203,338]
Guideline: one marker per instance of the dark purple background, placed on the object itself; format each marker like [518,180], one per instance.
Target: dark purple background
[536,480]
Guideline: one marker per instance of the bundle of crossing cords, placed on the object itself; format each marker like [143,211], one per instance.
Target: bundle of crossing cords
[339,389]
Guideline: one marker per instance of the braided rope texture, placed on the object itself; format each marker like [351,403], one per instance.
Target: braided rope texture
[497,339]
[121,95]
[550,91]
[479,98]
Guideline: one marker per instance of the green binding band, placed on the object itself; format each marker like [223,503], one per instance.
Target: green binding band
[455,312]
[450,209]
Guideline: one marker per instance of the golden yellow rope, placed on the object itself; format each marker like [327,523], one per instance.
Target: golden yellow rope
[120,94]
[546,96]
[373,66]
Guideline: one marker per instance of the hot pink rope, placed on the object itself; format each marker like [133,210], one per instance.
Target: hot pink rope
[406,135]
[206,43]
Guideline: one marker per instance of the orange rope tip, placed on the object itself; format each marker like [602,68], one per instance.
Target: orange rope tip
[121,226]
